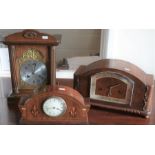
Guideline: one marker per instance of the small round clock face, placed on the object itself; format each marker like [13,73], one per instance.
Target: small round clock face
[54,106]
[33,72]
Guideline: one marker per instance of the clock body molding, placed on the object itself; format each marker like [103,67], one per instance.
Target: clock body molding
[116,84]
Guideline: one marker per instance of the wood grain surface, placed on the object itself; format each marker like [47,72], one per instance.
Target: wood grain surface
[96,116]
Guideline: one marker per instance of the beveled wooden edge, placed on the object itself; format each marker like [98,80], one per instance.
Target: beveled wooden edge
[58,89]
[75,122]
[145,113]
[113,65]
[19,39]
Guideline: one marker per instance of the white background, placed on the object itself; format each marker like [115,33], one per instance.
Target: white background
[135,45]
[111,14]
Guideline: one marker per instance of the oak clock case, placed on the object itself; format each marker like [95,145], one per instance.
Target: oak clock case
[54,105]
[32,57]
[116,84]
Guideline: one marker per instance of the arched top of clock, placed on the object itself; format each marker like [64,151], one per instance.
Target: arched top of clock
[67,91]
[121,66]
[54,91]
[30,37]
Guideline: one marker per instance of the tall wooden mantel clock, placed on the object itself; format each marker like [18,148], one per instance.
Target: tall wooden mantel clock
[32,62]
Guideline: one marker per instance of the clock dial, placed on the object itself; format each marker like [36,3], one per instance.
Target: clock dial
[111,87]
[54,106]
[33,72]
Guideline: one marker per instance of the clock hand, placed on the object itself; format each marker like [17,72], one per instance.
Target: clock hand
[109,92]
[57,108]
[33,67]
[28,76]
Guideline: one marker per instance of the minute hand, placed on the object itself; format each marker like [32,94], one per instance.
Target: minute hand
[33,68]
[111,87]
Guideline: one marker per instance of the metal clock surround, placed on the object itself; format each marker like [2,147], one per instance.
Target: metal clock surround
[54,106]
[116,82]
[33,72]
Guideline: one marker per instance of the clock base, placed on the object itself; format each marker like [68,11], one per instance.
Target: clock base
[13,98]
[105,105]
[13,101]
[67,122]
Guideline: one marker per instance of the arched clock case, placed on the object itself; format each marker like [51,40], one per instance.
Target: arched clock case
[116,84]
[54,105]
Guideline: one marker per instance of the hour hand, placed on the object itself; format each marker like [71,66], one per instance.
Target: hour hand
[33,67]
[111,87]
[57,108]
[28,76]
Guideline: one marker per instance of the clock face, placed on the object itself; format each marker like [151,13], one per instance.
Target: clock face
[33,72]
[54,106]
[111,87]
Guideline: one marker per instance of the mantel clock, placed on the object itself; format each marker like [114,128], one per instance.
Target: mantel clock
[32,62]
[116,84]
[54,105]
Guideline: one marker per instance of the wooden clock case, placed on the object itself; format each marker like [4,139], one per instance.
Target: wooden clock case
[29,45]
[32,113]
[116,84]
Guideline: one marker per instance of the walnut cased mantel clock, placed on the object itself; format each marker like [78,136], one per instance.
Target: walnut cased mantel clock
[116,84]
[54,105]
[32,62]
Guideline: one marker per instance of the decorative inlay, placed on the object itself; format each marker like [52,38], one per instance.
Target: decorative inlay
[30,34]
[34,111]
[73,112]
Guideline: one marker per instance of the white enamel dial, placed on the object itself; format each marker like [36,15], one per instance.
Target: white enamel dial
[54,106]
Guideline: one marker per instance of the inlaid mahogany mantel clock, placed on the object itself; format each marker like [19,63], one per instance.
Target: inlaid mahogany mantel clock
[54,105]
[32,62]
[116,84]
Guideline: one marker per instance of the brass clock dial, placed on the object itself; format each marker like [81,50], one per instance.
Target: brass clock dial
[33,72]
